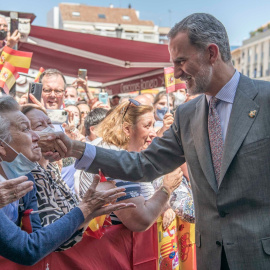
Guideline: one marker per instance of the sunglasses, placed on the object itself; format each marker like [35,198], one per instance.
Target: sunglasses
[131,101]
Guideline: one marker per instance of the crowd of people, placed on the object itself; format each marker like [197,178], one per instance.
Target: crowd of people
[64,198]
[58,190]
[200,154]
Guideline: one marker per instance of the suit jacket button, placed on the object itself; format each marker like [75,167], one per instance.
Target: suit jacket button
[218,243]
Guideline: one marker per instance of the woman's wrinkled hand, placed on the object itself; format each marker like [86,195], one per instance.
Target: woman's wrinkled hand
[167,218]
[14,189]
[95,203]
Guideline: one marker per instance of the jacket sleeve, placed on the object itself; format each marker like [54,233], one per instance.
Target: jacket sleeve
[161,157]
[27,249]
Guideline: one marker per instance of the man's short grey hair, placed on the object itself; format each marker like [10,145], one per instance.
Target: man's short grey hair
[3,17]
[53,72]
[203,29]
[7,105]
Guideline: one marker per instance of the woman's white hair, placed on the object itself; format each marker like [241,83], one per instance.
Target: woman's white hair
[7,104]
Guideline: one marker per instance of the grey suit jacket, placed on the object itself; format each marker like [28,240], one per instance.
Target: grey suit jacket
[237,214]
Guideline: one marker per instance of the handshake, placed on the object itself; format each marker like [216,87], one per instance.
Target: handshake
[57,145]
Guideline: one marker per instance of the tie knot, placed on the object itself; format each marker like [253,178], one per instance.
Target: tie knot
[213,102]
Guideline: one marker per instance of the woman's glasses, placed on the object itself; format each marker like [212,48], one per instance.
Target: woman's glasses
[134,102]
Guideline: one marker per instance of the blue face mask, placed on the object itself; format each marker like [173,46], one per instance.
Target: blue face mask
[161,112]
[69,101]
[20,166]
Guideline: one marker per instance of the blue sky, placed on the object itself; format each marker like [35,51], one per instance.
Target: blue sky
[239,16]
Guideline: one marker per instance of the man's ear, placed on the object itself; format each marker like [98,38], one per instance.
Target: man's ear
[213,52]
[92,129]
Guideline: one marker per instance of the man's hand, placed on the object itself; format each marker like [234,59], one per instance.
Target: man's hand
[56,145]
[173,180]
[79,82]
[52,146]
[13,189]
[24,100]
[13,39]
[93,202]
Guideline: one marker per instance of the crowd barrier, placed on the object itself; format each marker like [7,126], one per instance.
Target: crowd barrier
[118,249]
[121,249]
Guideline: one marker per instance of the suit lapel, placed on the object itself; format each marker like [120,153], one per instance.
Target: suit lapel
[240,121]
[199,127]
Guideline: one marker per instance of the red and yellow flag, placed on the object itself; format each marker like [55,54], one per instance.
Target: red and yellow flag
[41,70]
[96,225]
[179,84]
[169,79]
[8,76]
[171,83]
[19,59]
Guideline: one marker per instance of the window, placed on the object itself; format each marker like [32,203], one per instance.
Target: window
[255,72]
[101,16]
[126,18]
[76,14]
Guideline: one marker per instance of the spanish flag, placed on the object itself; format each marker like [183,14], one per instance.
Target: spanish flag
[8,76]
[19,59]
[41,70]
[180,84]
[96,225]
[169,79]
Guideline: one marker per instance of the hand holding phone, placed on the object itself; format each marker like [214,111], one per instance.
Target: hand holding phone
[82,73]
[36,90]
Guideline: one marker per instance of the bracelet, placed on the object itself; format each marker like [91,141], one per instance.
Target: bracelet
[166,191]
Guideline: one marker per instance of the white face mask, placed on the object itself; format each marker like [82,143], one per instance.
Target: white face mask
[76,121]
[179,98]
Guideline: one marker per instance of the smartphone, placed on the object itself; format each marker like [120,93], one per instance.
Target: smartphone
[82,73]
[36,90]
[103,97]
[58,116]
[14,22]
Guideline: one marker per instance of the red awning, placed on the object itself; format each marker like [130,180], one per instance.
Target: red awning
[111,61]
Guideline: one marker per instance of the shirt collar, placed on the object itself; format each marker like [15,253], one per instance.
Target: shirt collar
[227,92]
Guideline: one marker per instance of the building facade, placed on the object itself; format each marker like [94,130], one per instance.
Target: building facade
[106,21]
[253,57]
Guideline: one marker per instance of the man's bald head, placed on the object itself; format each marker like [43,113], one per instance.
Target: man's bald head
[144,100]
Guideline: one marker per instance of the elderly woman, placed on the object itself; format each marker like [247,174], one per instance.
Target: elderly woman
[59,198]
[19,152]
[130,126]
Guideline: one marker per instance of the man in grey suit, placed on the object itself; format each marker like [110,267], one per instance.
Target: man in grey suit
[223,135]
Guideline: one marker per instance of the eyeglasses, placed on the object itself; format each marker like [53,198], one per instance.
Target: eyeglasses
[134,102]
[49,92]
[84,112]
